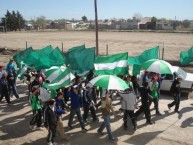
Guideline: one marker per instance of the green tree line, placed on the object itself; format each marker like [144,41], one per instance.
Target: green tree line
[13,21]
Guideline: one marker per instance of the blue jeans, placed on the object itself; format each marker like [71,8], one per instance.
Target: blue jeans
[13,88]
[106,124]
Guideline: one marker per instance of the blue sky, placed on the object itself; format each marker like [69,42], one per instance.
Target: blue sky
[107,9]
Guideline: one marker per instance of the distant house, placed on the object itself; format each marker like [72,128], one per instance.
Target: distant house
[70,26]
[191,24]
[101,25]
[164,25]
[143,24]
[28,26]
[128,25]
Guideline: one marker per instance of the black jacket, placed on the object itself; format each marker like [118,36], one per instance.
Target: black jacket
[50,118]
[144,94]
[175,88]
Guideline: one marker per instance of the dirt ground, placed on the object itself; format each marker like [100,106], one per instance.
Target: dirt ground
[169,129]
[132,42]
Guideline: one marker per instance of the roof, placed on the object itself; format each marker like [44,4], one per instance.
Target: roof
[145,20]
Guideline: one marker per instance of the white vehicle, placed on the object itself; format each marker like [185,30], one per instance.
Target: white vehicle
[186,84]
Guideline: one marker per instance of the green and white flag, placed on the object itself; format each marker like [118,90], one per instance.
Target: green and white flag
[59,77]
[113,64]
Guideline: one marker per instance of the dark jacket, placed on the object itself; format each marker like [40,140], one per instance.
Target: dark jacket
[4,84]
[50,118]
[11,78]
[59,107]
[144,94]
[76,100]
[175,88]
[87,97]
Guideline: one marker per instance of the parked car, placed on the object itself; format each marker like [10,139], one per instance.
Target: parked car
[186,84]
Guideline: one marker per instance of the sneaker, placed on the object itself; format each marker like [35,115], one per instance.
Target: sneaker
[31,127]
[149,122]
[100,133]
[135,128]
[125,128]
[50,143]
[96,120]
[86,121]
[70,126]
[169,107]
[9,104]
[84,130]
[177,111]
[158,113]
[113,140]
[40,128]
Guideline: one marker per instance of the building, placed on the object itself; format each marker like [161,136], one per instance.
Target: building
[143,24]
[70,26]
[164,25]
[101,25]
[128,25]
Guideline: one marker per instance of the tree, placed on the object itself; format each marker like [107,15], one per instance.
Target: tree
[154,19]
[20,21]
[84,19]
[13,21]
[137,17]
[186,23]
[41,22]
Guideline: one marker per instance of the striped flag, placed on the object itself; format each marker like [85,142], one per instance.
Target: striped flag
[114,64]
[59,77]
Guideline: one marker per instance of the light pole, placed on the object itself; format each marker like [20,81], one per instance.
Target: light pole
[96,27]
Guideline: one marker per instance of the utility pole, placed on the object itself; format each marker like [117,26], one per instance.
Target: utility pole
[96,27]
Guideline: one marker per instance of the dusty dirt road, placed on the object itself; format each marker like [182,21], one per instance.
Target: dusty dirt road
[132,42]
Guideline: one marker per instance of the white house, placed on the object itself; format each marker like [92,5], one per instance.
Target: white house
[164,25]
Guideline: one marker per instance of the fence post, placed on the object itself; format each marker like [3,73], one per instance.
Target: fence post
[163,52]
[26,45]
[159,51]
[107,49]
[62,47]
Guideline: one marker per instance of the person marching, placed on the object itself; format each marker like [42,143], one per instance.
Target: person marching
[128,104]
[50,121]
[36,108]
[145,107]
[154,94]
[59,110]
[175,90]
[76,104]
[4,88]
[89,104]
[106,108]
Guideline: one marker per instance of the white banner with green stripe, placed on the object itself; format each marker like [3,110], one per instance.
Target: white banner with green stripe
[59,77]
[113,64]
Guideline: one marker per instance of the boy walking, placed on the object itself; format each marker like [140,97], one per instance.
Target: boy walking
[36,108]
[50,121]
[106,107]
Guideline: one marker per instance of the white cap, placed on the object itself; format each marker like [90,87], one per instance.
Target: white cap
[75,86]
[89,85]
[179,77]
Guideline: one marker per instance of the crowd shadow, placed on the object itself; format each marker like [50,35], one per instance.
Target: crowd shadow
[187,123]
[143,138]
[16,126]
[184,110]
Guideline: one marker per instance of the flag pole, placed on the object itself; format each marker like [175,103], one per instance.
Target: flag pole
[96,27]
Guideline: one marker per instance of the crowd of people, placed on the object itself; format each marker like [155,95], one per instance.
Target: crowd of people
[48,106]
